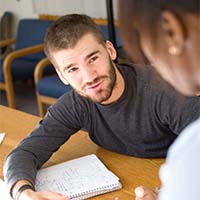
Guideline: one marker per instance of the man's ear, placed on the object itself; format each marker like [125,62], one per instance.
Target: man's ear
[173,32]
[111,50]
[61,77]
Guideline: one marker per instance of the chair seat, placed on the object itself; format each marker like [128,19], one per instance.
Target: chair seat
[52,86]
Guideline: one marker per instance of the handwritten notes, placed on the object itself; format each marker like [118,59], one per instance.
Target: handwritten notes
[78,178]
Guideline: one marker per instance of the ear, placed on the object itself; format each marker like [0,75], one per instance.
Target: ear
[111,50]
[61,77]
[174,33]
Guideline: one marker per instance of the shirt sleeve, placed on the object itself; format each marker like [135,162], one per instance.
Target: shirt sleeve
[34,150]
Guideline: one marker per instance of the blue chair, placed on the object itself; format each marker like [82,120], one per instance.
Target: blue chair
[48,88]
[28,51]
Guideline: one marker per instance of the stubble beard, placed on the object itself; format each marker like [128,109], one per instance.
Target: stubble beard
[102,95]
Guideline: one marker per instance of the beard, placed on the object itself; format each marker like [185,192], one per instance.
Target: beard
[102,94]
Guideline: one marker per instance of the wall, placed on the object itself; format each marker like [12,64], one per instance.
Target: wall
[20,9]
[31,8]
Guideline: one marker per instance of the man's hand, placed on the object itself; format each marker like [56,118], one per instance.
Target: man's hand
[144,193]
[30,195]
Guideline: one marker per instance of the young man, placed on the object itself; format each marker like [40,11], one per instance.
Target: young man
[126,109]
[169,36]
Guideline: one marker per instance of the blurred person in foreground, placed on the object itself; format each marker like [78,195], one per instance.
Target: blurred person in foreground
[169,35]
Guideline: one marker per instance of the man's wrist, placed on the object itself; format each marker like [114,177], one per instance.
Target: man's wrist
[19,186]
[21,189]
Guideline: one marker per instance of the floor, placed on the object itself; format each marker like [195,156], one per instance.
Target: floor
[25,98]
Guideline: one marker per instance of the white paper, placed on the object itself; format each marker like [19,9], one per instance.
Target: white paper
[2,135]
[80,176]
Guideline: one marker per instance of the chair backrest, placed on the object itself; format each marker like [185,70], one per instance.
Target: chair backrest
[31,32]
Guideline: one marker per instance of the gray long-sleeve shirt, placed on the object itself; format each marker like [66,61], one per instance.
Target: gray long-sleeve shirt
[143,122]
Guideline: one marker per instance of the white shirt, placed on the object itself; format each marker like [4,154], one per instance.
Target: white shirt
[180,175]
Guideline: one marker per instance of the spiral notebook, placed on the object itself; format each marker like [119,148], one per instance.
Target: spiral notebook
[80,178]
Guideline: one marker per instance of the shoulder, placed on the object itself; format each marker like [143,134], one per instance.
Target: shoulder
[144,73]
[70,108]
[72,102]
[147,81]
[145,76]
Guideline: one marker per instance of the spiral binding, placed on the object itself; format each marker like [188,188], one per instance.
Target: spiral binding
[95,192]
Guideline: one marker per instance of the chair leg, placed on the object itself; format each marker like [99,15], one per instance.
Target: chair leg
[10,95]
[9,87]
[41,106]
[42,109]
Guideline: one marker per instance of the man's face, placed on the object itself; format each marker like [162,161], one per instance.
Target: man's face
[88,68]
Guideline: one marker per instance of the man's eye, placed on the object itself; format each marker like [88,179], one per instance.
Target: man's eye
[93,59]
[71,70]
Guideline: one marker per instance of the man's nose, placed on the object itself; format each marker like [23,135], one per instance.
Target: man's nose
[88,74]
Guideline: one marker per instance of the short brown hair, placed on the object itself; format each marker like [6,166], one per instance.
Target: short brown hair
[65,32]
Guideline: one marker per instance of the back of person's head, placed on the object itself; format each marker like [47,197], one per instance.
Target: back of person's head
[138,16]
[168,34]
[65,32]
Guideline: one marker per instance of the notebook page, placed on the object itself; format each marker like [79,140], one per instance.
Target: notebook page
[77,177]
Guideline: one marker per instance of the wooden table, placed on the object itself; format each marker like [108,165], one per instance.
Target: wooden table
[131,171]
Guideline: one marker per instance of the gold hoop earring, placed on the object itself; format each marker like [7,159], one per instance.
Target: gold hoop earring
[175,51]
